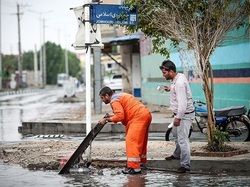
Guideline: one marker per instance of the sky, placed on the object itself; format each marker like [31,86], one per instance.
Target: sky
[60,23]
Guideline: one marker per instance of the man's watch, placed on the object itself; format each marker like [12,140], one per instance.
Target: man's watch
[106,120]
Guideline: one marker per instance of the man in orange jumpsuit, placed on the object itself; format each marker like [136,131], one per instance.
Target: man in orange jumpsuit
[136,118]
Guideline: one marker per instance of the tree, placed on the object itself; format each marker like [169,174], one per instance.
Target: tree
[55,62]
[74,64]
[28,61]
[9,65]
[199,24]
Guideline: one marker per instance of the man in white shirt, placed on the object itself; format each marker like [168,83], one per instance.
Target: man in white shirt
[182,106]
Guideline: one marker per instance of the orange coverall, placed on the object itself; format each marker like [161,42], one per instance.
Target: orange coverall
[136,118]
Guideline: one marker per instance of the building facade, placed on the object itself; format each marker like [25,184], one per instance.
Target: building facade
[231,70]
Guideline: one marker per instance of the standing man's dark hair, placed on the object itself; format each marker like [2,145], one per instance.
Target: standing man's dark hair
[168,65]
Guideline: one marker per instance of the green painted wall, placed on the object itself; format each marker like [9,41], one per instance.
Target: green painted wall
[225,94]
[151,95]
[231,56]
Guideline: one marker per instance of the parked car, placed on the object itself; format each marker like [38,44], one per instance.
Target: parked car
[115,82]
[62,78]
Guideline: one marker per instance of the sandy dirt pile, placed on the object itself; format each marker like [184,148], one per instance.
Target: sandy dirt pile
[46,154]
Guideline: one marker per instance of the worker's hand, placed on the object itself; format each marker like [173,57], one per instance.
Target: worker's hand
[177,122]
[107,115]
[167,88]
[102,121]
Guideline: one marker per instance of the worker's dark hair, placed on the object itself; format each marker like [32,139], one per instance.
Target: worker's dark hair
[168,65]
[106,90]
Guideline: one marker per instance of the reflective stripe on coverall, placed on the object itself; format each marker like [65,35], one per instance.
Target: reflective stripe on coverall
[137,118]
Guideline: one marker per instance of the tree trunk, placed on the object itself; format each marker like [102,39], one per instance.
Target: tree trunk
[208,87]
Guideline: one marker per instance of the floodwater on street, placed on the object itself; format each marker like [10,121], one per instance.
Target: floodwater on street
[12,175]
[21,107]
[17,108]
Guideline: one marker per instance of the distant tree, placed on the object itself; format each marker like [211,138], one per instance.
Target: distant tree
[9,65]
[28,61]
[74,64]
[55,62]
[199,24]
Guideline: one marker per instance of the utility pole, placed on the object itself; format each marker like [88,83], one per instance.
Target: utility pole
[42,60]
[1,74]
[19,48]
[88,75]
[66,62]
[97,80]
[66,56]
[41,53]
[35,68]
[97,75]
[44,56]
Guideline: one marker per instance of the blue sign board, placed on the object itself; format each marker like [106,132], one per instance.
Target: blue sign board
[113,14]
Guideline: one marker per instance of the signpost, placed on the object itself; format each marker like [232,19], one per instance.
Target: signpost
[87,15]
[113,14]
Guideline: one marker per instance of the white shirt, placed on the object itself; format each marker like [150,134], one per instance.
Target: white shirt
[180,96]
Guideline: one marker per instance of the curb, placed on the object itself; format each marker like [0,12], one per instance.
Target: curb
[55,127]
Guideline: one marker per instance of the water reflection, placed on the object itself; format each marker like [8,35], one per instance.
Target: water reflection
[17,108]
[10,120]
[182,180]
[112,177]
[12,175]
[135,180]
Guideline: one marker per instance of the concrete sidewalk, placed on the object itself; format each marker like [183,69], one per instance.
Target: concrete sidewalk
[204,164]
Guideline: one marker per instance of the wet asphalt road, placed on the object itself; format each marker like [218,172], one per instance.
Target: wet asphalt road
[22,107]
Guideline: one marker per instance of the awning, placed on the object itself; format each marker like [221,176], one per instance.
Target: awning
[125,39]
